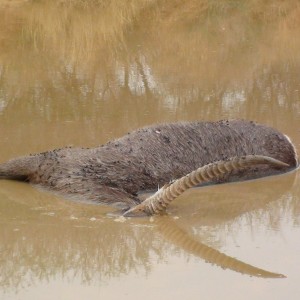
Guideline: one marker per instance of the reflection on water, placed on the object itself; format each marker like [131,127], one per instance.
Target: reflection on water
[82,72]
[110,66]
[43,238]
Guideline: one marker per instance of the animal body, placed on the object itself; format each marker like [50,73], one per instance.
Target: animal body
[116,172]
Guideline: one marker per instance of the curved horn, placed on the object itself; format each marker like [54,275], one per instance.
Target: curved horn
[180,238]
[157,203]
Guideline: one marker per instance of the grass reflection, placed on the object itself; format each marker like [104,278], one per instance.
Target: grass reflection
[111,64]
[111,46]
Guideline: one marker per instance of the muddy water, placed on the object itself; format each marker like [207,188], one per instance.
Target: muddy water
[84,72]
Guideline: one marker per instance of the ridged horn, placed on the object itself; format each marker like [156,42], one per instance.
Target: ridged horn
[157,203]
[180,238]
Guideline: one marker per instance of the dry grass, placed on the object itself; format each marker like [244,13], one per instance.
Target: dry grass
[174,50]
[80,30]
[87,32]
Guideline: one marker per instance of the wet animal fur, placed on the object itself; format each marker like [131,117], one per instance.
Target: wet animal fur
[116,172]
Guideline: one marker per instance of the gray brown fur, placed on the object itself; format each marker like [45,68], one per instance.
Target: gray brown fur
[150,157]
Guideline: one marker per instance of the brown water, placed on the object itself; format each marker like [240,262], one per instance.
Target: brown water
[84,72]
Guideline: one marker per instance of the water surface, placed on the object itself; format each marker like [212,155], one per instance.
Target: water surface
[83,72]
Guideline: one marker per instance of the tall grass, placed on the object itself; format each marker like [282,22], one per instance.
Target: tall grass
[83,32]
[175,51]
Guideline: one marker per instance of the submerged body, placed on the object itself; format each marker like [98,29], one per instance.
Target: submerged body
[150,157]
